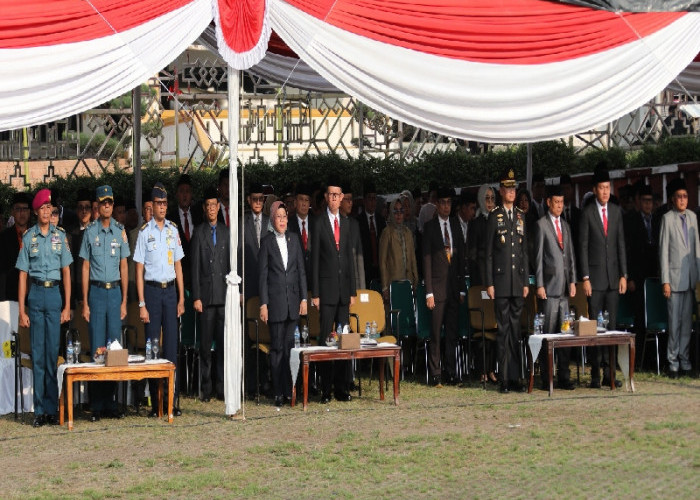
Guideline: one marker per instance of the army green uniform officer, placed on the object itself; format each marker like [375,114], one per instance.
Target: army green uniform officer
[507,278]
[43,262]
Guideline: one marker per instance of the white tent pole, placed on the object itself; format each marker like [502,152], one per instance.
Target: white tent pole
[233,337]
[528,168]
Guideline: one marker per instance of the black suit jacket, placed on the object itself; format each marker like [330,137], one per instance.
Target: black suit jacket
[281,289]
[371,271]
[333,270]
[9,275]
[603,259]
[174,216]
[210,264]
[293,227]
[443,278]
[642,253]
[506,253]
[248,239]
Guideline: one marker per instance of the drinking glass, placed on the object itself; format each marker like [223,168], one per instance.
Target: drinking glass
[156,348]
[76,351]
[606,319]
[305,337]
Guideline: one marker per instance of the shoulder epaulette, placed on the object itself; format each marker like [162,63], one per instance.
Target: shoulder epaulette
[60,229]
[118,224]
[174,225]
[25,231]
[496,208]
[519,209]
[145,224]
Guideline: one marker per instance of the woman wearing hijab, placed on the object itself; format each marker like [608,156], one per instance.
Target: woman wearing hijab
[397,259]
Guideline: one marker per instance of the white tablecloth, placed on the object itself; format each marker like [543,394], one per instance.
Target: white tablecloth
[8,323]
[295,359]
[623,353]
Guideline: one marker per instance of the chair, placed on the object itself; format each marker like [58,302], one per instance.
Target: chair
[424,325]
[402,312]
[655,316]
[259,334]
[23,359]
[625,313]
[482,319]
[368,307]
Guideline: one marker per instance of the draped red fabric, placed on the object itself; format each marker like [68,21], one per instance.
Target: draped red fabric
[31,23]
[505,31]
[277,46]
[241,23]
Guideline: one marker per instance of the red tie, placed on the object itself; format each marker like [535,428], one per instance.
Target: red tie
[187,225]
[304,236]
[336,232]
[605,223]
[559,237]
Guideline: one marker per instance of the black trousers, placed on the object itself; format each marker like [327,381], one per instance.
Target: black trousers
[212,327]
[339,372]
[602,300]
[508,310]
[281,342]
[447,313]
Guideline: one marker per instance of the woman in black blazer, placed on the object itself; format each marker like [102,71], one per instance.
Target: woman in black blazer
[282,296]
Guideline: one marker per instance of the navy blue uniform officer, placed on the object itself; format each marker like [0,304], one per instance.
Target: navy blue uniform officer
[159,283]
[43,262]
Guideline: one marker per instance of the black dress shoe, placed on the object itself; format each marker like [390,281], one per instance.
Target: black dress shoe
[95,416]
[566,385]
[516,386]
[153,414]
[325,399]
[343,396]
[39,421]
[685,373]
[606,383]
[595,384]
[205,399]
[52,419]
[278,401]
[503,389]
[115,414]
[220,396]
[288,400]
[452,380]
[672,374]
[177,412]
[435,381]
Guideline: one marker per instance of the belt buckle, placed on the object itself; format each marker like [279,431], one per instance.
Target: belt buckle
[164,284]
[47,284]
[108,285]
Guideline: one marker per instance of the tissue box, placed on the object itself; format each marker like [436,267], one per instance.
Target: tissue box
[585,328]
[349,341]
[117,357]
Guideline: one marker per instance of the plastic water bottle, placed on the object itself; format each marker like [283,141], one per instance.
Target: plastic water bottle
[600,319]
[305,335]
[149,349]
[373,330]
[69,352]
[297,338]
[339,330]
[368,330]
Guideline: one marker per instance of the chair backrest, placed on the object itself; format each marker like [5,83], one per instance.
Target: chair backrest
[368,306]
[625,312]
[188,323]
[424,316]
[579,303]
[476,301]
[655,311]
[401,299]
[375,285]
[252,315]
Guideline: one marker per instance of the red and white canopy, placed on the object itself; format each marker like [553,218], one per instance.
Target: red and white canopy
[490,70]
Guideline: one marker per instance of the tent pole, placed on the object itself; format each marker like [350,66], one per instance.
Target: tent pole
[528,168]
[136,145]
[233,335]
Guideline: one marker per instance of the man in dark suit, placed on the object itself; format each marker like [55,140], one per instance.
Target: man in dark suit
[507,278]
[555,277]
[443,269]
[282,296]
[371,226]
[466,210]
[10,244]
[187,216]
[355,240]
[302,224]
[333,284]
[603,261]
[210,250]
[571,213]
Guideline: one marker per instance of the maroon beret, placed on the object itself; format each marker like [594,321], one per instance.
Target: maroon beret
[42,197]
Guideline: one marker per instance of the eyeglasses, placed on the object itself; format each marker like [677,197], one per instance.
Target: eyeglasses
[257,199]
[211,204]
[490,198]
[398,211]
[54,213]
[682,196]
[334,195]
[86,206]
[108,202]
[162,203]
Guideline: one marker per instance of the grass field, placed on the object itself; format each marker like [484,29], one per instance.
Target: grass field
[454,442]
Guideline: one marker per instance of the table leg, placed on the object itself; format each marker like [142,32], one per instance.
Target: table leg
[305,361]
[61,403]
[171,394]
[612,362]
[160,398]
[632,356]
[381,379]
[531,366]
[294,394]
[397,368]
[69,396]
[550,366]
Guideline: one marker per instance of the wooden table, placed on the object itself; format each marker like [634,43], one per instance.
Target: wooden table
[610,339]
[334,354]
[100,373]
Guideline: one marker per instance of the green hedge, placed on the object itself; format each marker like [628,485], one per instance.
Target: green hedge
[390,176]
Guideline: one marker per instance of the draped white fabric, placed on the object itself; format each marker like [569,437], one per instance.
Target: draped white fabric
[688,81]
[491,102]
[41,84]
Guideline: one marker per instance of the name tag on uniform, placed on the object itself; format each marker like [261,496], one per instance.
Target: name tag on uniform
[114,246]
[170,258]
